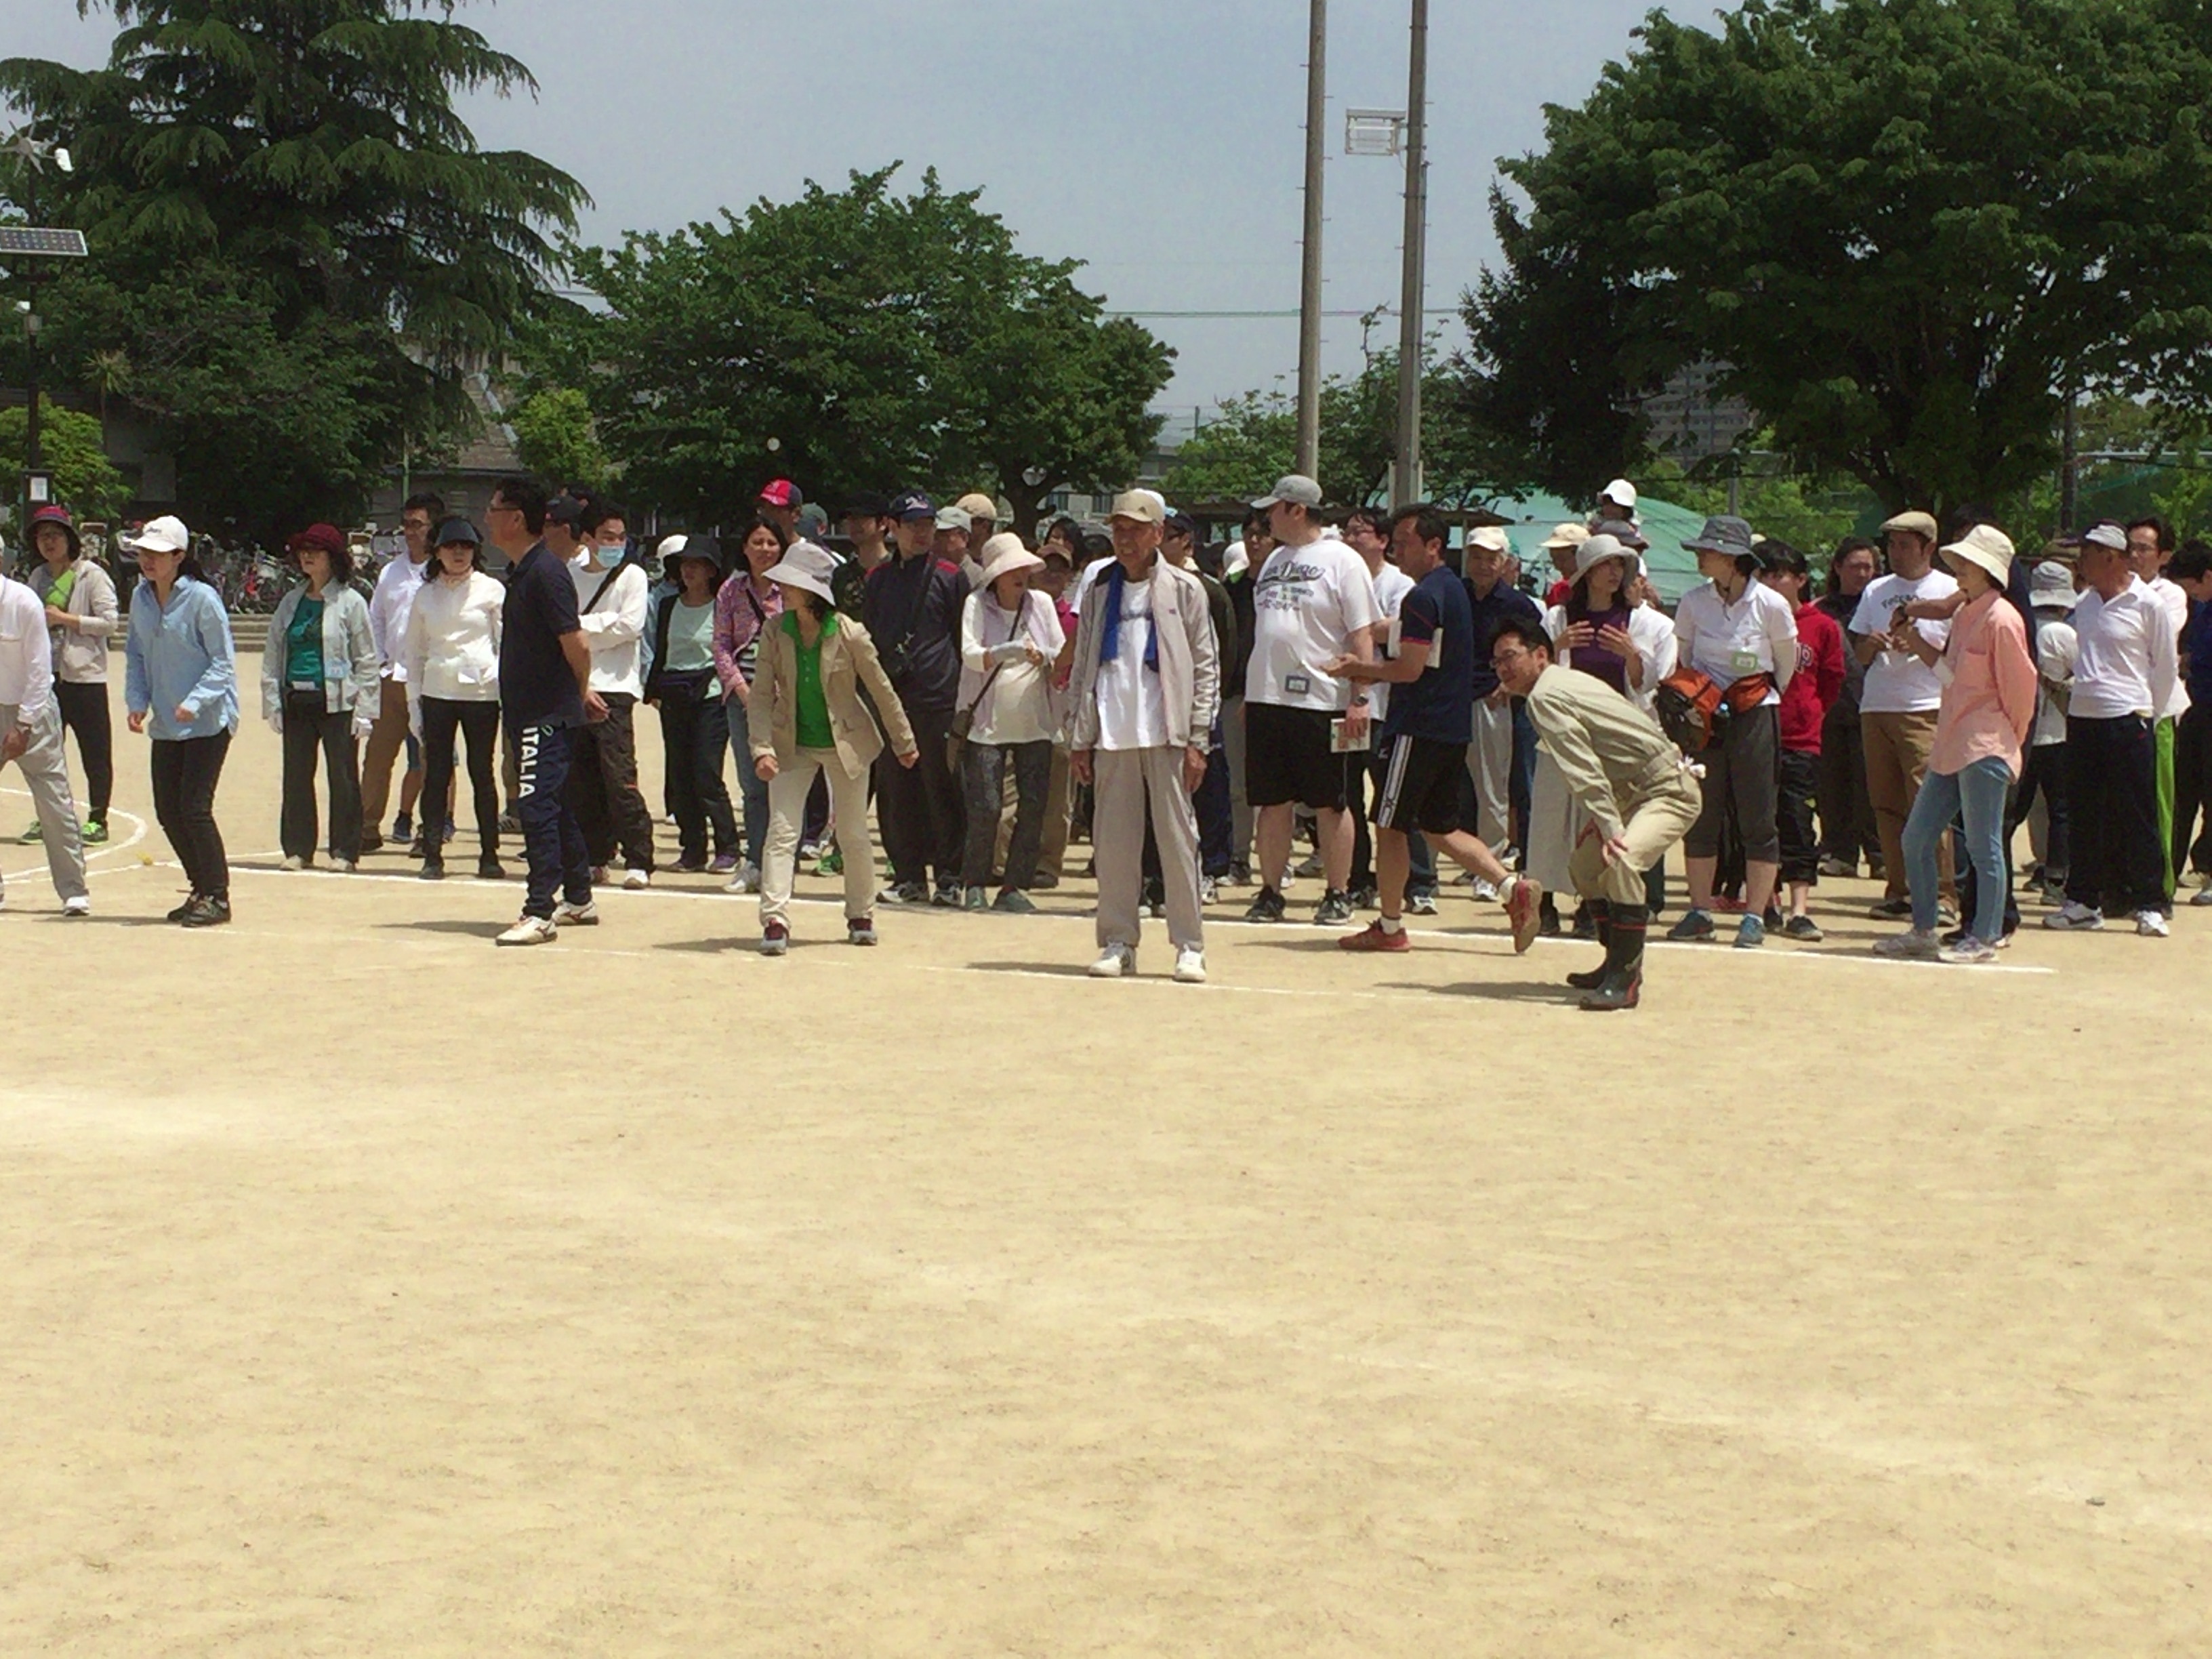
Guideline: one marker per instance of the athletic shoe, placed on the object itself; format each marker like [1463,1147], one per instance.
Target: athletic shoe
[747,880]
[1912,945]
[2202,895]
[1267,907]
[206,913]
[1420,904]
[1153,903]
[831,863]
[342,867]
[1333,910]
[1366,898]
[419,848]
[403,828]
[1803,929]
[184,909]
[1968,951]
[1373,936]
[509,824]
[1695,927]
[531,930]
[1115,962]
[490,869]
[1771,919]
[2072,918]
[372,842]
[724,864]
[79,905]
[974,898]
[432,870]
[809,851]
[1190,966]
[1209,889]
[33,834]
[1240,875]
[1750,934]
[1483,890]
[1312,867]
[1524,909]
[295,864]
[1015,902]
[690,866]
[2150,924]
[1891,909]
[1724,905]
[95,833]
[452,829]
[861,930]
[566,915]
[899,892]
[601,875]
[947,896]
[1043,882]
[775,939]
[637,880]
[1958,936]
[1840,869]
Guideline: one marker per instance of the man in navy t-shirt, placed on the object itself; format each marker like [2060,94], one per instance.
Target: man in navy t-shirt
[544,681]
[1425,736]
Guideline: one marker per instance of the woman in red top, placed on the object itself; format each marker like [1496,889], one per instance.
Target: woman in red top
[1811,693]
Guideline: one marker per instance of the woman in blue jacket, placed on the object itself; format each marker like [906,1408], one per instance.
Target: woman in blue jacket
[181,679]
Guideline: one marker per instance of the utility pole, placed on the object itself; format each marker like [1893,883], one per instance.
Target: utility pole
[1309,445]
[2070,462]
[1406,476]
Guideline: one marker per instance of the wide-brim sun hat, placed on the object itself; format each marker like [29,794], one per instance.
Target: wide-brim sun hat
[1724,534]
[807,567]
[2050,583]
[1986,547]
[1566,536]
[1003,554]
[1597,550]
[59,518]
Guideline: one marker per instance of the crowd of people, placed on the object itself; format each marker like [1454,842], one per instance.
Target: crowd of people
[1907,713]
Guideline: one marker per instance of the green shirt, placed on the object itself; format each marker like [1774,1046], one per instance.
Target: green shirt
[303,644]
[813,707]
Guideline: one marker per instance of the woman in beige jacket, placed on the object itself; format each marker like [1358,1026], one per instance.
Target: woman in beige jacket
[806,715]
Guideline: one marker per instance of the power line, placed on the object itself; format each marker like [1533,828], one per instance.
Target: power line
[1176,316]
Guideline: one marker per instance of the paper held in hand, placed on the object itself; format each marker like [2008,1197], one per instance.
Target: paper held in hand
[1341,742]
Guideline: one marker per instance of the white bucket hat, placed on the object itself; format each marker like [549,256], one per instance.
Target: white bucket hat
[807,567]
[1986,547]
[1597,550]
[1003,554]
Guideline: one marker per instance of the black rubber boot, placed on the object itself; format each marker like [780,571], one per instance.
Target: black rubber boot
[1601,913]
[1623,983]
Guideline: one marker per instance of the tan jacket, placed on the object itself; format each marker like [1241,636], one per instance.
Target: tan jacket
[1190,661]
[848,663]
[1612,754]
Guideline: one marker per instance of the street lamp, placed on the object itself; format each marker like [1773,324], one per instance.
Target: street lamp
[34,242]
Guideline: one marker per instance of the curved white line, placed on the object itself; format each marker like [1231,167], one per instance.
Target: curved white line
[90,852]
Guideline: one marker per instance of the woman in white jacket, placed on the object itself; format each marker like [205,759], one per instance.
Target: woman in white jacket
[83,616]
[1010,639]
[320,691]
[451,654]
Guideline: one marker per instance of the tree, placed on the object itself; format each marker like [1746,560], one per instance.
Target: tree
[855,339]
[554,435]
[1907,227]
[85,480]
[305,157]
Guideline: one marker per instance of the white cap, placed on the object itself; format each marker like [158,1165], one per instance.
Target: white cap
[953,518]
[163,535]
[1621,493]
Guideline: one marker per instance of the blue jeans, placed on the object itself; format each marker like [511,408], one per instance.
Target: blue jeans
[552,840]
[1979,793]
[751,791]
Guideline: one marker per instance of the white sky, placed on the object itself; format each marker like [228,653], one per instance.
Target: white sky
[1159,140]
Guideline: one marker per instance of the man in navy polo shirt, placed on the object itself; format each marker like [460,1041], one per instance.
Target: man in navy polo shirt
[912,611]
[544,687]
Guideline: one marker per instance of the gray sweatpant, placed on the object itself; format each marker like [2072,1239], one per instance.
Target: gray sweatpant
[45,769]
[1123,778]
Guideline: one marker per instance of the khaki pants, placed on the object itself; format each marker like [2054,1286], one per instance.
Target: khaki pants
[1897,750]
[1125,777]
[1490,763]
[46,772]
[386,738]
[786,808]
[1652,823]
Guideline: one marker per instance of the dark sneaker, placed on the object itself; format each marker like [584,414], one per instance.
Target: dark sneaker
[1695,926]
[1267,907]
[1015,902]
[1750,934]
[1333,911]
[1366,898]
[1043,882]
[775,939]
[489,869]
[861,930]
[974,898]
[948,896]
[432,869]
[1804,929]
[184,909]
[1891,909]
[206,913]
[403,828]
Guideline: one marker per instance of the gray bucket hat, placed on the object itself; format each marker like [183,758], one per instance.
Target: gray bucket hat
[1728,537]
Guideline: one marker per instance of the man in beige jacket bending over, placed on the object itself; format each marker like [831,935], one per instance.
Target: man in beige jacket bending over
[1147,681]
[1628,774]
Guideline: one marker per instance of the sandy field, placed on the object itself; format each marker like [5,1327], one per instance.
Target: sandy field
[367,1290]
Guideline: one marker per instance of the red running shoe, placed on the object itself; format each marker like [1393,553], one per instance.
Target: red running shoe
[1524,909]
[1372,937]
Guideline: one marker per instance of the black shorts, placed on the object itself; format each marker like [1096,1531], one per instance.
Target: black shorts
[1287,758]
[1423,779]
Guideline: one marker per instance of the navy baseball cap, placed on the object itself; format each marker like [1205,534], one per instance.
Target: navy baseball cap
[565,510]
[866,504]
[910,504]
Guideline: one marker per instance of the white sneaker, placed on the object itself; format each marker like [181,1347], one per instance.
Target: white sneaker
[295,864]
[1190,966]
[343,866]
[2203,895]
[79,905]
[566,915]
[1209,890]
[531,930]
[2150,924]
[1115,962]
[1483,890]
[2071,918]
[1912,945]
[635,879]
[747,880]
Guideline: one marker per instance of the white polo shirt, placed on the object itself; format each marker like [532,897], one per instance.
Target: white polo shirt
[1757,635]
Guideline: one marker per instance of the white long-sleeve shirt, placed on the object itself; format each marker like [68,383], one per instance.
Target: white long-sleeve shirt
[2126,656]
[27,655]
[397,585]
[2168,594]
[451,649]
[614,627]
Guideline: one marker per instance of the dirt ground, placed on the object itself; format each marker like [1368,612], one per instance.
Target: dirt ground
[365,1290]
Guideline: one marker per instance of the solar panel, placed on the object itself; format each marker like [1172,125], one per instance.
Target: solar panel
[21,240]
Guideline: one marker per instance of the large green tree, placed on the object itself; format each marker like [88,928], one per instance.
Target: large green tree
[288,181]
[1907,227]
[854,338]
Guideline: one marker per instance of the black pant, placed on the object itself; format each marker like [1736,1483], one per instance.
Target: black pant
[925,826]
[2045,769]
[185,773]
[695,733]
[2119,865]
[603,789]
[559,862]
[442,717]
[84,711]
[1847,825]
[1793,815]
[1743,770]
[983,768]
[2192,792]
[310,728]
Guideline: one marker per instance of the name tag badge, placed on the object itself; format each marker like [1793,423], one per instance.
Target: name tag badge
[1297,685]
[1744,662]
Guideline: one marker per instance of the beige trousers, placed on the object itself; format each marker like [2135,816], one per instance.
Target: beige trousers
[1653,823]
[1897,750]
[787,810]
[1124,779]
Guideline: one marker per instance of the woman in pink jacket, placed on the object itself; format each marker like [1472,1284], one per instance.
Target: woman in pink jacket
[1988,710]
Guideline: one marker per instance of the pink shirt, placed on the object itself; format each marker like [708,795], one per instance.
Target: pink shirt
[1989,689]
[741,616]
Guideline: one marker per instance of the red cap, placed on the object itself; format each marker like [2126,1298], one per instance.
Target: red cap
[321,537]
[782,493]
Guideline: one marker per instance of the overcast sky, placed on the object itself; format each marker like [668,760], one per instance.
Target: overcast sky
[1158,140]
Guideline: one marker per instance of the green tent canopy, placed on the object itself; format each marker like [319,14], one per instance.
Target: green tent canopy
[1530,518]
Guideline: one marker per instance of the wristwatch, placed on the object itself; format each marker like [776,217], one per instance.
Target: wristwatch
[1359,700]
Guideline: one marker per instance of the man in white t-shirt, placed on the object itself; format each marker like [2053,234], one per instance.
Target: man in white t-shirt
[610,607]
[1898,701]
[1312,602]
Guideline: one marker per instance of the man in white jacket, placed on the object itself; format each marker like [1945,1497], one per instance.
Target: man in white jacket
[31,736]
[397,585]
[611,591]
